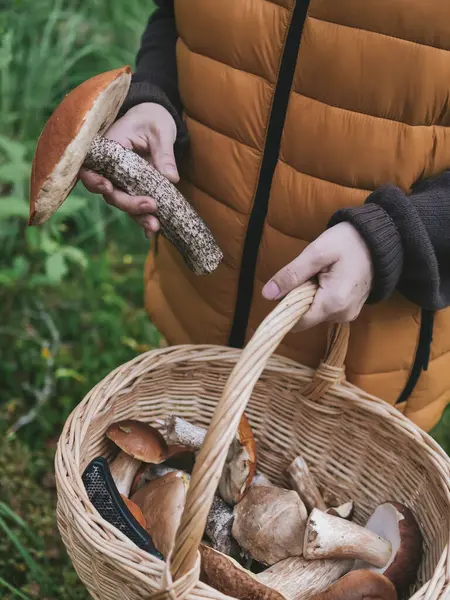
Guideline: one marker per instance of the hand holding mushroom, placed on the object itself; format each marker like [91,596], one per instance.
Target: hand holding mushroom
[73,137]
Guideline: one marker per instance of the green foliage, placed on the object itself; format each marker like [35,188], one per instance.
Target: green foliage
[71,290]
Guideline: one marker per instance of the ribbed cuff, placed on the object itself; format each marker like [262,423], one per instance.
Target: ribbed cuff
[384,243]
[144,91]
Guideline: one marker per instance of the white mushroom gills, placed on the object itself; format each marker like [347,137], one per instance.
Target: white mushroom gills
[180,223]
[328,536]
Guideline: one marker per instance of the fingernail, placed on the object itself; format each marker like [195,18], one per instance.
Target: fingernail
[146,207]
[271,291]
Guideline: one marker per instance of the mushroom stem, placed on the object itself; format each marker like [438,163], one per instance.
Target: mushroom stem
[304,484]
[180,223]
[183,433]
[327,536]
[240,465]
[298,579]
[123,469]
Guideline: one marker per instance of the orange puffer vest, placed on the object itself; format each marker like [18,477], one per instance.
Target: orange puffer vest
[295,111]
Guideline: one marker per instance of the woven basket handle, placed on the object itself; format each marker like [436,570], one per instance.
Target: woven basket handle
[229,410]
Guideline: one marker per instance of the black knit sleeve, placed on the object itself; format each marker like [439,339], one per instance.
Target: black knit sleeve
[409,239]
[155,78]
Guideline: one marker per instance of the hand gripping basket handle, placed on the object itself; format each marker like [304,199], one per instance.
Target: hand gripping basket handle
[226,417]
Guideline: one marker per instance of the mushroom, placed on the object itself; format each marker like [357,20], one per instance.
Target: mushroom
[396,523]
[220,517]
[138,443]
[304,484]
[269,524]
[135,511]
[327,536]
[227,576]
[359,585]
[240,465]
[298,579]
[344,511]
[391,542]
[73,137]
[162,504]
[261,479]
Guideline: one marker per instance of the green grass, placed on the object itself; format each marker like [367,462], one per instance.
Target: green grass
[70,291]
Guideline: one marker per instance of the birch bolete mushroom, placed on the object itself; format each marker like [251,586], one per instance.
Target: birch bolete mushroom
[138,443]
[269,524]
[359,585]
[391,542]
[298,579]
[240,465]
[162,503]
[73,137]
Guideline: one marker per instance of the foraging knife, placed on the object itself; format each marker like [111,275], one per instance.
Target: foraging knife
[105,497]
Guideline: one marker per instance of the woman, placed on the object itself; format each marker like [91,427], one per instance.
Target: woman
[312,136]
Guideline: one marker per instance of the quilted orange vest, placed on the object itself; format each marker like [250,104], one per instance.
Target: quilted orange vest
[294,110]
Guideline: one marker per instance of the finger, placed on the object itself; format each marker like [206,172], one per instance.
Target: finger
[94,182]
[163,156]
[317,313]
[132,205]
[148,222]
[310,262]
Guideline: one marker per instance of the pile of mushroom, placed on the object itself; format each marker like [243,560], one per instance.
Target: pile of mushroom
[263,541]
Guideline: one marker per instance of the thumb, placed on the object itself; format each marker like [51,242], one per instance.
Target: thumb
[163,155]
[304,267]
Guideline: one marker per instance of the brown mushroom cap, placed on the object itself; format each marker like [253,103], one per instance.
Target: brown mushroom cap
[395,522]
[85,112]
[227,576]
[359,585]
[269,523]
[139,440]
[162,503]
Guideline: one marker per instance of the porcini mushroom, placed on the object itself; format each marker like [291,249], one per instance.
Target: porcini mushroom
[220,517]
[269,524]
[303,483]
[240,465]
[138,443]
[327,536]
[298,579]
[229,577]
[395,522]
[73,137]
[162,503]
[359,585]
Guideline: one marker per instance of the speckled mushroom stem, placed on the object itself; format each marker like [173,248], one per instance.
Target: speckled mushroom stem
[180,223]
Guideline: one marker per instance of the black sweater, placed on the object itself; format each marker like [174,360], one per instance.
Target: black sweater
[408,235]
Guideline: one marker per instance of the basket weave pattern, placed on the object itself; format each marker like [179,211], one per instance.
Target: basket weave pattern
[358,447]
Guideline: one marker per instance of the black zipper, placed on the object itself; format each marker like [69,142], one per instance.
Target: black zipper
[269,162]
[422,357]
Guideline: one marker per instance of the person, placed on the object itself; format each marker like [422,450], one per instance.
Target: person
[313,138]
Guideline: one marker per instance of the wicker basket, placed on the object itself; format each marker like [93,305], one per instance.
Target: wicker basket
[358,446]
